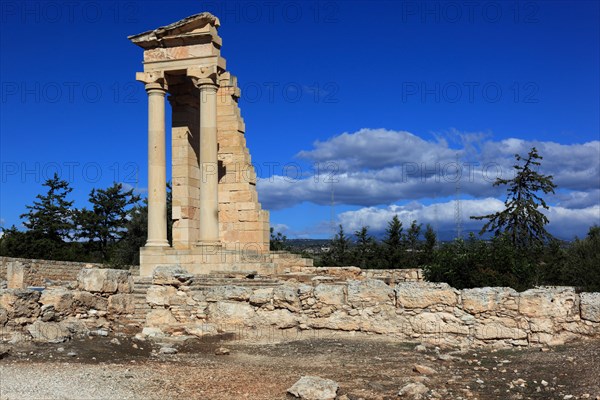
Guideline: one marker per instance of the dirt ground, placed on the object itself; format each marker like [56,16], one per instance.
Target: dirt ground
[365,367]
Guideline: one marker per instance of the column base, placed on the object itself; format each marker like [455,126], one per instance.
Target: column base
[157,243]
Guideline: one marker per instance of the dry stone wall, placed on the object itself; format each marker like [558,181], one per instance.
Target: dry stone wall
[42,272]
[99,301]
[419,311]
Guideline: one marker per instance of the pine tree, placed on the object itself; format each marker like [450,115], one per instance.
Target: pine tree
[365,248]
[51,215]
[411,240]
[429,245]
[521,220]
[393,245]
[105,225]
[127,252]
[340,247]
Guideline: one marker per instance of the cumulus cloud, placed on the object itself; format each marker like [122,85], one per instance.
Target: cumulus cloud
[283,228]
[577,199]
[564,223]
[378,167]
[377,149]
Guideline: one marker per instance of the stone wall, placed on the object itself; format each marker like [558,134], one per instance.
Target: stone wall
[390,276]
[417,311]
[100,300]
[42,272]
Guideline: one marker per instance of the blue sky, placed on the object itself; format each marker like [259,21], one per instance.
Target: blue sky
[384,97]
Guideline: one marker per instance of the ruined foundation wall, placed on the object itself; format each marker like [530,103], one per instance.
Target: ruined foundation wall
[38,272]
[416,311]
[97,302]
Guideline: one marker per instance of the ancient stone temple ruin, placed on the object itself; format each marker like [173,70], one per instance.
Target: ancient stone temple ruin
[218,222]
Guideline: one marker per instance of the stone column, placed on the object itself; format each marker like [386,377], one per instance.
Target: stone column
[205,78]
[157,165]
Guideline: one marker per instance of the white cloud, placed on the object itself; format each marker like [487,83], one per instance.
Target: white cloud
[376,149]
[378,167]
[576,199]
[136,190]
[283,228]
[564,223]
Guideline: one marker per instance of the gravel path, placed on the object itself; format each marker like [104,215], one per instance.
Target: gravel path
[37,381]
[369,368]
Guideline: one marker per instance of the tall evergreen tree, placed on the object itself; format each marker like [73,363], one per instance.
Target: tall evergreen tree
[411,240]
[430,245]
[393,246]
[522,220]
[51,216]
[105,224]
[365,248]
[340,247]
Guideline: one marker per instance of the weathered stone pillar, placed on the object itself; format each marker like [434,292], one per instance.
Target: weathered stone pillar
[157,166]
[205,79]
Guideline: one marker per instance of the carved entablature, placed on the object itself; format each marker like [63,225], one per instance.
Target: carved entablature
[188,43]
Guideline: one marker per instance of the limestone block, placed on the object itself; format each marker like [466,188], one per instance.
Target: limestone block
[281,318]
[15,275]
[224,197]
[247,205]
[247,216]
[170,275]
[61,299]
[228,292]
[86,300]
[160,318]
[106,280]
[496,330]
[314,388]
[590,306]
[20,303]
[261,296]
[49,332]
[121,304]
[561,302]
[424,294]
[231,313]
[228,216]
[544,325]
[369,292]
[337,320]
[438,323]
[286,296]
[201,330]
[486,299]
[330,294]
[251,226]
[160,295]
[232,125]
[233,187]
[244,196]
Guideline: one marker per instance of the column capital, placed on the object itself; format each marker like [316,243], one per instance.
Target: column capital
[154,81]
[205,77]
